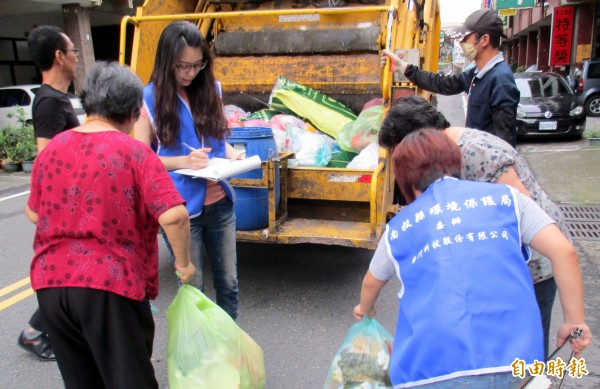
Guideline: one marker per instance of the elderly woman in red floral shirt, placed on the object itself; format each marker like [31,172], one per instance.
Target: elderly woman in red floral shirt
[97,198]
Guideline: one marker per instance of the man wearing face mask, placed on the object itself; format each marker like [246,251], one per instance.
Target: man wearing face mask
[492,93]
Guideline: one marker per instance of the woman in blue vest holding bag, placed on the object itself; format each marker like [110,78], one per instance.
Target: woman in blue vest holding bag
[183,120]
[468,310]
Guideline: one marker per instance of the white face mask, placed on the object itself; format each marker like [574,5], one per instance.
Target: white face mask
[469,50]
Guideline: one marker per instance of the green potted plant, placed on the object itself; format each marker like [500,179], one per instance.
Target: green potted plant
[27,151]
[3,155]
[593,137]
[10,140]
[17,143]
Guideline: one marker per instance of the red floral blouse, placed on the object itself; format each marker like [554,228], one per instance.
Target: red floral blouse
[98,197]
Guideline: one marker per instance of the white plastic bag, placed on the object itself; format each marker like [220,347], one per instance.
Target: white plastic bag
[367,159]
[310,149]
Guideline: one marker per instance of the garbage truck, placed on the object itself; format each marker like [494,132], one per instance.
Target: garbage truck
[332,46]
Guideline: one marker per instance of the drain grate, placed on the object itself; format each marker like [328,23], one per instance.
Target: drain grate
[583,221]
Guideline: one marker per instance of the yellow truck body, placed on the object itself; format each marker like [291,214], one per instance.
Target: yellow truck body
[329,48]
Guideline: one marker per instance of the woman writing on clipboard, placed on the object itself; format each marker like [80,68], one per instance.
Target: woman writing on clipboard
[183,111]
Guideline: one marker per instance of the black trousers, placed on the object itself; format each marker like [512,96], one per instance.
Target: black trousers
[37,321]
[100,339]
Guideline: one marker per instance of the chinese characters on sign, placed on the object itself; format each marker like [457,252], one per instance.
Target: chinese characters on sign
[450,238]
[576,368]
[562,35]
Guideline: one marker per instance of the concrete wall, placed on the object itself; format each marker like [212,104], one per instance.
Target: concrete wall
[75,24]
[17,26]
[77,27]
[584,28]
[522,51]
[543,54]
[532,45]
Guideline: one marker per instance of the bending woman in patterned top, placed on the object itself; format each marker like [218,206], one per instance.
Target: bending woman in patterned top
[485,158]
[97,199]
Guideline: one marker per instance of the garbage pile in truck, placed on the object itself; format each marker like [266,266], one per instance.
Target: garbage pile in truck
[320,131]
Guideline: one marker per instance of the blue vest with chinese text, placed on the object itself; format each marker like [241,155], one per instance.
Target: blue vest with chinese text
[467,301]
[193,190]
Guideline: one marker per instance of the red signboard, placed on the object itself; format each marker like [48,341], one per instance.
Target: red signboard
[562,35]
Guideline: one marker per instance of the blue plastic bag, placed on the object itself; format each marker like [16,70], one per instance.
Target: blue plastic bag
[363,360]
[206,349]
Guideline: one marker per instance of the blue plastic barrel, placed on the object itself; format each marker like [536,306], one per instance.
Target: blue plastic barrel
[252,204]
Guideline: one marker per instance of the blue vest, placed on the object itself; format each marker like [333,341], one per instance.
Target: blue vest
[467,301]
[193,190]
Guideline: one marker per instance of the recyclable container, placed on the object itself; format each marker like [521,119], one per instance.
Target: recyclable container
[252,204]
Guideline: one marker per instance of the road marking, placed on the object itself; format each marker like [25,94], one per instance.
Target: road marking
[16,298]
[13,196]
[15,286]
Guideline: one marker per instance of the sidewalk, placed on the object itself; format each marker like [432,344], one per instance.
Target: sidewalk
[570,175]
[13,182]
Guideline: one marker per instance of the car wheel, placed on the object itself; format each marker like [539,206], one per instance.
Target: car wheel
[592,106]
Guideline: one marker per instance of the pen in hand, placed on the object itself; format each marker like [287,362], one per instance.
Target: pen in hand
[205,149]
[197,160]
[188,147]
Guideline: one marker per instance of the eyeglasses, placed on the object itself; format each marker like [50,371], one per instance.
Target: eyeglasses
[75,51]
[186,67]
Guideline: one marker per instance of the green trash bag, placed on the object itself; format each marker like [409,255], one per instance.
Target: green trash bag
[323,112]
[341,159]
[363,131]
[264,114]
[206,349]
[363,360]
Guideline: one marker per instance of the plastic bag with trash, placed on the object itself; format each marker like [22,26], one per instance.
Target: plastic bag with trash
[206,349]
[264,114]
[281,122]
[363,361]
[310,149]
[280,139]
[325,113]
[360,133]
[256,123]
[367,159]
[234,115]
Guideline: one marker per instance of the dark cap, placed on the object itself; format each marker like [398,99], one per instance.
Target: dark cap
[483,21]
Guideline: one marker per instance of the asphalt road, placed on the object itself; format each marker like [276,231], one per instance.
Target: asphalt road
[296,302]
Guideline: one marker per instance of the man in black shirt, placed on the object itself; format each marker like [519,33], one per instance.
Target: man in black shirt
[52,113]
[55,55]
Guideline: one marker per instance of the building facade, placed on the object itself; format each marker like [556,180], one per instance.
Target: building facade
[530,35]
